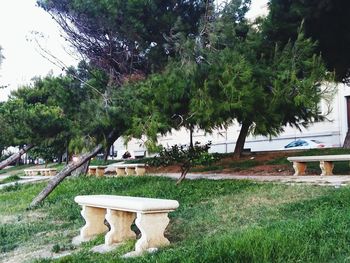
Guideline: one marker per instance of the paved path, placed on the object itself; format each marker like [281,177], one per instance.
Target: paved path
[25,180]
[334,180]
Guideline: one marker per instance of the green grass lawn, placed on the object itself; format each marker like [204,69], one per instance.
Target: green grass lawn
[217,221]
[15,169]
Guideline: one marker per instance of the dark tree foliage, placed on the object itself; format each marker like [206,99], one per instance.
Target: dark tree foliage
[325,21]
[225,74]
[125,38]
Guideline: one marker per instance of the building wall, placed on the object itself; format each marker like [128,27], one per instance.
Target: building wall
[331,131]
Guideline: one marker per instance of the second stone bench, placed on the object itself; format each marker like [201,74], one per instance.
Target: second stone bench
[326,162]
[41,171]
[98,170]
[130,169]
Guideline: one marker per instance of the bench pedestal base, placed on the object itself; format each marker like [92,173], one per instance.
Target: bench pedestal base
[130,170]
[152,227]
[326,168]
[299,168]
[92,171]
[100,171]
[120,223]
[120,171]
[94,218]
[140,170]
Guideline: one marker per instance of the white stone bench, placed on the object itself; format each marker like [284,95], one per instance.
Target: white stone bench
[326,162]
[130,169]
[41,171]
[120,211]
[98,170]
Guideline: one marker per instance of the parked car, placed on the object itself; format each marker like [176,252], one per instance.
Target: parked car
[306,144]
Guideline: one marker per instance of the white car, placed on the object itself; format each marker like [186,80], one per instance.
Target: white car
[306,144]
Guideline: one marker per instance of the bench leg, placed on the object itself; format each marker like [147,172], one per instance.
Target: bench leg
[92,171]
[299,168]
[140,170]
[152,227]
[94,218]
[326,168]
[100,171]
[130,171]
[120,171]
[120,223]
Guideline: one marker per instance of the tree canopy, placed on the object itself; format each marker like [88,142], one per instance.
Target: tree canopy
[125,38]
[223,74]
[325,21]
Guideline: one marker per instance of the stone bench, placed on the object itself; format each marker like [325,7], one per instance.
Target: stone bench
[42,171]
[130,169]
[326,162]
[98,170]
[120,211]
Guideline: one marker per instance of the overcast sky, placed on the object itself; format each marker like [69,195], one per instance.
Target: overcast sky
[18,20]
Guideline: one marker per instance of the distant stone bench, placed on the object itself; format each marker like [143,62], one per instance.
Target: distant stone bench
[41,171]
[130,169]
[326,162]
[98,170]
[120,211]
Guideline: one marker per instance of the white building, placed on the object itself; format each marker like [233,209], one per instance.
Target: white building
[332,131]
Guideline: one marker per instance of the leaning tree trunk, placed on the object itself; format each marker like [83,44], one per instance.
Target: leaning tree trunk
[63,174]
[67,171]
[82,170]
[241,139]
[182,177]
[15,156]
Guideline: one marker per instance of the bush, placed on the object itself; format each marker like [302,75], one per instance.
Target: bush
[185,157]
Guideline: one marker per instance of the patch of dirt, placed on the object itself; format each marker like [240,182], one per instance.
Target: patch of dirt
[262,168]
[8,219]
[168,169]
[28,254]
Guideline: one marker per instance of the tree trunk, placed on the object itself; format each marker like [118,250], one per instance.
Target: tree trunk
[346,144]
[82,170]
[67,153]
[241,139]
[60,159]
[106,153]
[15,156]
[191,137]
[183,175]
[67,170]
[63,174]
[110,142]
